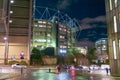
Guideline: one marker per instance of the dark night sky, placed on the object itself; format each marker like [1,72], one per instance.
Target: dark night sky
[90,13]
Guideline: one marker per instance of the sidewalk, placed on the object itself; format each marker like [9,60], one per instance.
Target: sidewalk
[4,76]
[99,73]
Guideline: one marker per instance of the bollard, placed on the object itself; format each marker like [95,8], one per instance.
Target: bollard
[21,70]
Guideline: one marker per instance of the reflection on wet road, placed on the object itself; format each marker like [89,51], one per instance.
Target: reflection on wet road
[45,74]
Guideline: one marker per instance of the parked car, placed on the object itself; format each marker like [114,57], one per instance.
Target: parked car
[94,67]
[104,66]
[18,66]
[85,68]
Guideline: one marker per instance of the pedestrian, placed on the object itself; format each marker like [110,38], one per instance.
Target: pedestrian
[72,70]
[63,75]
[107,70]
[58,68]
[49,70]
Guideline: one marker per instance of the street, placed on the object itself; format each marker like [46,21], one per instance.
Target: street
[43,73]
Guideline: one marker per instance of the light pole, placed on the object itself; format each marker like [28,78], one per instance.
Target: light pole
[6,50]
[5,20]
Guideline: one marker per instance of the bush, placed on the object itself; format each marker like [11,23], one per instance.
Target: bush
[23,63]
[13,62]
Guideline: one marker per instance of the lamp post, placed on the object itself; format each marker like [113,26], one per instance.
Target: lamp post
[6,50]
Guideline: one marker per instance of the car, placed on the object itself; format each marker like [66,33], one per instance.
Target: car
[17,65]
[85,68]
[94,67]
[104,66]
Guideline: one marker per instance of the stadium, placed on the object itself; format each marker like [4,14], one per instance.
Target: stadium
[25,26]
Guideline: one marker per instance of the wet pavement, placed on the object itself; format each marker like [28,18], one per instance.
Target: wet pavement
[50,74]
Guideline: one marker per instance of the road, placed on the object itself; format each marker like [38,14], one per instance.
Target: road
[44,74]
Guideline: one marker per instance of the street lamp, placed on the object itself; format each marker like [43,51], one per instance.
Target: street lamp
[6,50]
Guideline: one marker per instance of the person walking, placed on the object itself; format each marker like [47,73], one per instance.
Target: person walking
[107,71]
[63,75]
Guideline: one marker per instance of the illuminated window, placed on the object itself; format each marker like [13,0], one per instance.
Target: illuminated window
[62,37]
[61,46]
[115,24]
[35,25]
[110,4]
[64,46]
[39,21]
[115,3]
[48,34]
[40,40]
[60,29]
[119,45]
[40,25]
[44,22]
[104,47]
[114,50]
[63,51]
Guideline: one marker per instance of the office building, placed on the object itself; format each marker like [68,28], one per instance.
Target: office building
[113,25]
[101,46]
[17,16]
[53,28]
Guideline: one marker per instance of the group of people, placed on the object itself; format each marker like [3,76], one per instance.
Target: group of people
[64,73]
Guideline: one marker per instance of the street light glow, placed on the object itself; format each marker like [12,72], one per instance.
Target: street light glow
[5,38]
[12,1]
[11,12]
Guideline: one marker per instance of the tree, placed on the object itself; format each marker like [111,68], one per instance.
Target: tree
[49,51]
[91,55]
[36,56]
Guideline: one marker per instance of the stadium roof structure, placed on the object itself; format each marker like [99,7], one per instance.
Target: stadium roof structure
[44,13]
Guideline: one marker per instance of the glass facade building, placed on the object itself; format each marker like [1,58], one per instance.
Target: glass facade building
[113,25]
[102,49]
[51,34]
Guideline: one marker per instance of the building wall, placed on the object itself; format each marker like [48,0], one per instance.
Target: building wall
[1,7]
[18,20]
[17,45]
[102,49]
[51,34]
[113,25]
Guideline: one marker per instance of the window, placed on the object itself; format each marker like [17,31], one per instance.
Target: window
[114,50]
[44,22]
[110,4]
[39,21]
[115,3]
[119,45]
[48,35]
[62,37]
[115,24]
